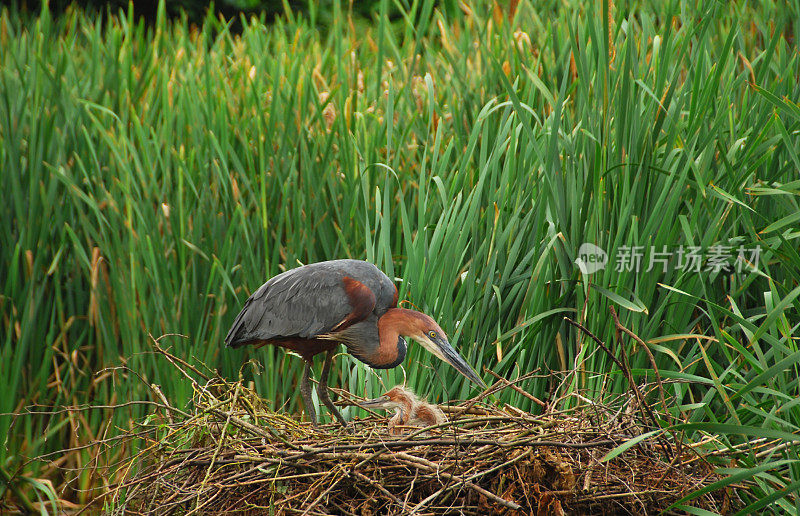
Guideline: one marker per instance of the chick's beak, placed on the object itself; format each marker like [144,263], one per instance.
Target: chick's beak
[374,403]
[442,349]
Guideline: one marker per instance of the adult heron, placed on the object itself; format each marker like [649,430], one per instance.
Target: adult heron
[314,308]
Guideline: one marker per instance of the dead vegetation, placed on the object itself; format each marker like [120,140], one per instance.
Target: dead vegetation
[231,454]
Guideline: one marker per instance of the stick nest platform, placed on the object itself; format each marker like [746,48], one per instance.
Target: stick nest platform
[232,454]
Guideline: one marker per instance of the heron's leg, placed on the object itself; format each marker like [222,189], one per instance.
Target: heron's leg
[305,390]
[322,388]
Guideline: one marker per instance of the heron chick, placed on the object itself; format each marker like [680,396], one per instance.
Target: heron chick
[409,410]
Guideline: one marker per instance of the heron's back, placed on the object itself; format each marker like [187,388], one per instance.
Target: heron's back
[307,301]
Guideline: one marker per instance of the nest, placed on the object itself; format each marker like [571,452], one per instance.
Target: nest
[232,454]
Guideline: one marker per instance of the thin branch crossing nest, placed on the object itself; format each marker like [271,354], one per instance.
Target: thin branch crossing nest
[232,454]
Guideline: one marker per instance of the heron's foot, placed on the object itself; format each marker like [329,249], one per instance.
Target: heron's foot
[322,392]
[326,400]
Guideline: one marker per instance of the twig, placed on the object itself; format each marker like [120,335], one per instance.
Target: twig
[322,495]
[157,390]
[172,358]
[421,463]
[379,487]
[491,389]
[117,406]
[625,370]
[255,430]
[218,448]
[311,452]
[620,328]
[599,342]
[517,389]
[650,356]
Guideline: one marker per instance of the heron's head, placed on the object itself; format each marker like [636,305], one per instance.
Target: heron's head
[396,398]
[423,329]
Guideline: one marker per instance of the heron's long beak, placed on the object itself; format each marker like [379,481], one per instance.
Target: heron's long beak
[442,349]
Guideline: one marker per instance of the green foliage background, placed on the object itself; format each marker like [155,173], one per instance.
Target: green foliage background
[155,175]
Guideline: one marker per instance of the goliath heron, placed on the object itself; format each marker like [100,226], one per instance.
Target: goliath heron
[315,307]
[409,410]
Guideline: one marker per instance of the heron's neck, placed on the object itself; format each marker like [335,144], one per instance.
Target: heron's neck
[400,321]
[391,326]
[404,410]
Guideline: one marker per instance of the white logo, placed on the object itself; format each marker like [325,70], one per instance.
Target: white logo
[591,258]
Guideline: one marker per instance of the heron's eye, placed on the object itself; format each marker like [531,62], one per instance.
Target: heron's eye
[432,334]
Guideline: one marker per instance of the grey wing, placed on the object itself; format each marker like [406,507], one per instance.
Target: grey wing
[387,295]
[302,302]
[308,301]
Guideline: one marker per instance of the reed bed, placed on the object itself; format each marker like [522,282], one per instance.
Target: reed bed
[155,175]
